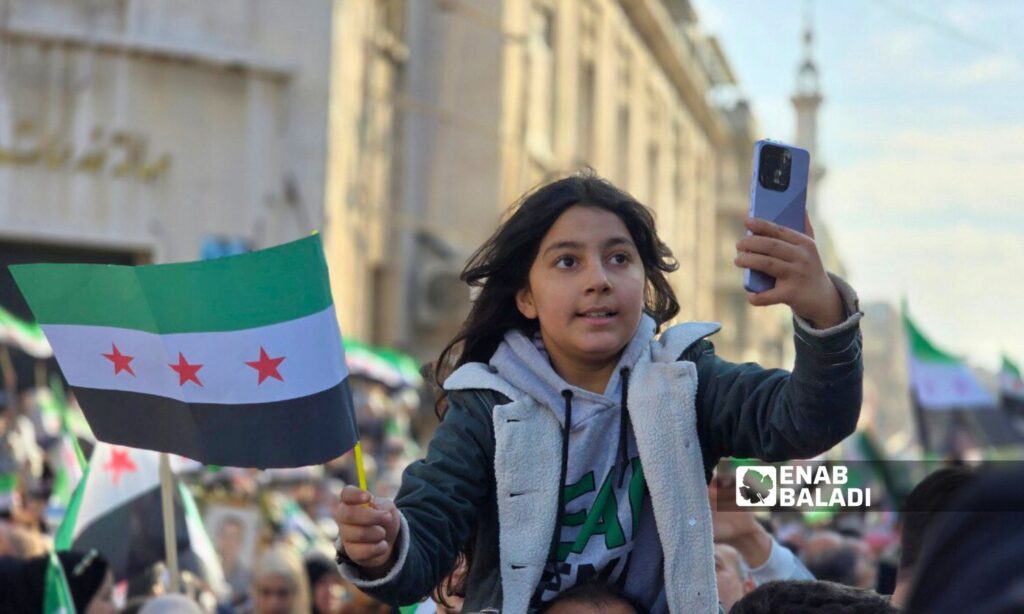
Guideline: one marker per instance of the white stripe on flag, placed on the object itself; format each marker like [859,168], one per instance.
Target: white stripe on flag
[314,360]
[943,386]
[117,474]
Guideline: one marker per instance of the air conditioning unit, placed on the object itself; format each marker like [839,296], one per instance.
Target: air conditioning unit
[440,298]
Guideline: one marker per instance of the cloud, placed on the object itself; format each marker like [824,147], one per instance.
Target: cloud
[928,169]
[960,281]
[996,69]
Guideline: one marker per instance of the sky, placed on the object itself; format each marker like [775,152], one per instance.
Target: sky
[922,136]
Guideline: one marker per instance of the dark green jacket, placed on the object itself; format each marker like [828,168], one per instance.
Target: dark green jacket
[740,410]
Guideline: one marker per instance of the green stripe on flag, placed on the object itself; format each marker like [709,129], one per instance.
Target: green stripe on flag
[1009,367]
[256,289]
[65,536]
[57,594]
[920,346]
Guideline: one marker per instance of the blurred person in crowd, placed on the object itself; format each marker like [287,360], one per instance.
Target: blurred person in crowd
[23,583]
[830,556]
[20,542]
[279,584]
[763,555]
[865,569]
[592,598]
[327,588]
[973,557]
[171,604]
[732,575]
[811,597]
[229,539]
[923,508]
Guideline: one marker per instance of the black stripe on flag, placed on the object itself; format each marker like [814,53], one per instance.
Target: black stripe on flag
[307,430]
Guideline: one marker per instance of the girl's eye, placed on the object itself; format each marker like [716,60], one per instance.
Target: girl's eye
[620,258]
[565,262]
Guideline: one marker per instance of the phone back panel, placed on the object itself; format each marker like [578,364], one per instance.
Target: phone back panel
[784,208]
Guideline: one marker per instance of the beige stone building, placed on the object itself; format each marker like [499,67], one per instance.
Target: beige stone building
[499,95]
[402,129]
[136,131]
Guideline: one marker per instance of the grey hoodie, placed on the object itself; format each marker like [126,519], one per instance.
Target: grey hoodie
[606,526]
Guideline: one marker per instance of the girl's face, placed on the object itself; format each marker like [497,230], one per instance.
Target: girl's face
[586,287]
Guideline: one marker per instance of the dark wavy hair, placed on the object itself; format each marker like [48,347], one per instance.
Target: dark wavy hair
[501,267]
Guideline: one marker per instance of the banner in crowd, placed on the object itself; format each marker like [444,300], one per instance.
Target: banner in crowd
[236,361]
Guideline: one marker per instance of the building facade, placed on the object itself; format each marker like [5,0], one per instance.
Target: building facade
[138,131]
[499,96]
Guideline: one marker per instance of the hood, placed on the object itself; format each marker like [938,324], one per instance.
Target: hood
[524,363]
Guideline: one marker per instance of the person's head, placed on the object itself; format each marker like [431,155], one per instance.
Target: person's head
[171,604]
[592,598]
[811,597]
[568,250]
[326,585]
[733,575]
[928,502]
[971,559]
[866,563]
[837,564]
[279,584]
[230,538]
[20,542]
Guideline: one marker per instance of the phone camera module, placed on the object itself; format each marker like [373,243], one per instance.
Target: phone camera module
[775,167]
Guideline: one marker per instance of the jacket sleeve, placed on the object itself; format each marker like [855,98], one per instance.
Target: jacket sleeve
[438,501]
[746,411]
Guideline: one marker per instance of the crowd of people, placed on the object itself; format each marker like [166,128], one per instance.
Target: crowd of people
[271,530]
[556,388]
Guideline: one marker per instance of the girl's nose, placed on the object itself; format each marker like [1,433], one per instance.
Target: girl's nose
[598,280]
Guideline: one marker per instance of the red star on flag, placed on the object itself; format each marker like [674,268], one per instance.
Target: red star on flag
[266,366]
[186,372]
[119,463]
[122,362]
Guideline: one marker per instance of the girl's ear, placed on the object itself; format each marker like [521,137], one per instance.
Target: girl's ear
[524,301]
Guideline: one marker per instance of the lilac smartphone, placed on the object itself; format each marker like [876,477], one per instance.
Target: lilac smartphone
[778,193]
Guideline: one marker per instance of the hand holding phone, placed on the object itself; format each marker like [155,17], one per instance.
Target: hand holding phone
[781,259]
[778,194]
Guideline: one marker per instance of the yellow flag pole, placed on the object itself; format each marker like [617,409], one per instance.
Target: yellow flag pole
[358,450]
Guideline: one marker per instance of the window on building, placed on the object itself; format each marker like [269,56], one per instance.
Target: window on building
[652,173]
[585,117]
[542,84]
[622,145]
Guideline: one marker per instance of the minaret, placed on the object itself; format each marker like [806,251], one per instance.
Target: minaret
[806,101]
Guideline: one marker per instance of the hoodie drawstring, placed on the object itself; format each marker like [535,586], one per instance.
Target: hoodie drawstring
[567,394]
[624,425]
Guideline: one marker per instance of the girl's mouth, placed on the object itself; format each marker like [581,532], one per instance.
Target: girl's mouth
[598,317]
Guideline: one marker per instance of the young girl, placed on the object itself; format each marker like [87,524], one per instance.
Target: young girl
[575,444]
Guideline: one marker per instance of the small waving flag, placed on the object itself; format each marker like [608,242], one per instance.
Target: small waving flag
[236,361]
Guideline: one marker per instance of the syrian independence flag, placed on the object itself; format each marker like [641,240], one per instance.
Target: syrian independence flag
[1011,387]
[117,510]
[25,336]
[236,361]
[940,381]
